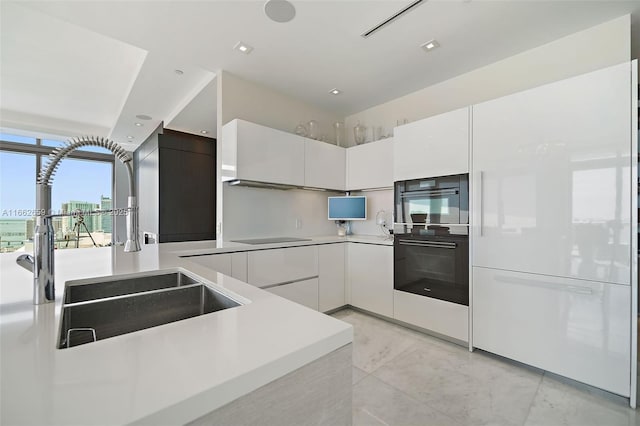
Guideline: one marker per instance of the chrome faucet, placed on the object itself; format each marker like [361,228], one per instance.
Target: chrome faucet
[41,263]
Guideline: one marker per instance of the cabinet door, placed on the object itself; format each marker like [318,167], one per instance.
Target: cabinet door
[551,183]
[218,262]
[435,146]
[302,292]
[371,277]
[446,318]
[264,154]
[324,165]
[370,165]
[579,329]
[331,267]
[239,266]
[276,266]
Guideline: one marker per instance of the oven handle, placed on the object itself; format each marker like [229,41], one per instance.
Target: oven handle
[433,244]
[432,192]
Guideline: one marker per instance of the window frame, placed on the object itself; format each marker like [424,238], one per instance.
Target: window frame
[41,151]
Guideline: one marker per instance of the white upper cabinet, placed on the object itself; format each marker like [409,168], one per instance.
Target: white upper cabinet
[551,179]
[370,165]
[258,153]
[435,146]
[324,165]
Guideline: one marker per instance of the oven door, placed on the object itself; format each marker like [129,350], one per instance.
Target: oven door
[432,201]
[434,266]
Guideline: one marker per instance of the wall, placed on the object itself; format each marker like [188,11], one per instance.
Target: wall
[253,102]
[147,182]
[597,47]
[376,201]
[120,200]
[259,213]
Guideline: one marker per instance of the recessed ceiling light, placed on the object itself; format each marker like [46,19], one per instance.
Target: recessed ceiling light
[279,10]
[430,45]
[204,132]
[129,137]
[179,72]
[335,91]
[243,48]
[143,117]
[139,124]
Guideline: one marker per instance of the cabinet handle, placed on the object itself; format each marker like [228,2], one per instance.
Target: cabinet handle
[434,244]
[287,282]
[429,193]
[545,284]
[479,206]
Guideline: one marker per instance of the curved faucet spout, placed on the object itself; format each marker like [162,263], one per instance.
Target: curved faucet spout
[26,261]
[42,263]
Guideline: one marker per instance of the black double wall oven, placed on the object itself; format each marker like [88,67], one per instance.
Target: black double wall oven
[431,244]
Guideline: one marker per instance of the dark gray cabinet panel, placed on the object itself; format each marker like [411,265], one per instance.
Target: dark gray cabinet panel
[186,184]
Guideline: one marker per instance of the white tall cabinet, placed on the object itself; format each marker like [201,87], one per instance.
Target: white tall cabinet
[434,146]
[552,227]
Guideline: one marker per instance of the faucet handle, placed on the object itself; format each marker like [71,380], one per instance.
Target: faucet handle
[26,261]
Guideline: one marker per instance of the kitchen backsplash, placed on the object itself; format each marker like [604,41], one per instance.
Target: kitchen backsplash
[258,213]
[376,202]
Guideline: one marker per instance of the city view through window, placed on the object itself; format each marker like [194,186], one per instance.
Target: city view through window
[79,185]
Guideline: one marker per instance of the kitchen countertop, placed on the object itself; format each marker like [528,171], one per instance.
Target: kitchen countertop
[170,374]
[202,248]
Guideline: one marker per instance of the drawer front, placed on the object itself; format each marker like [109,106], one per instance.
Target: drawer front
[268,267]
[302,292]
[575,328]
[446,318]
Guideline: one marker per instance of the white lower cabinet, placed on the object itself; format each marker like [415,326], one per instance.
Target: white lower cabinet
[331,266]
[302,292]
[239,266]
[576,328]
[446,318]
[232,264]
[370,276]
[278,266]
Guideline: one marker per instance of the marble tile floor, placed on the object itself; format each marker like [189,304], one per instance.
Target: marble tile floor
[405,378]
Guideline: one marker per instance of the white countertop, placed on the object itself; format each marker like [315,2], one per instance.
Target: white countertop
[169,374]
[219,247]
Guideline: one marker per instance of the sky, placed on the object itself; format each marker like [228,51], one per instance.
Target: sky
[78,180]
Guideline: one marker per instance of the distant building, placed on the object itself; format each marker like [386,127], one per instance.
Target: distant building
[106,220]
[57,227]
[31,224]
[13,234]
[92,221]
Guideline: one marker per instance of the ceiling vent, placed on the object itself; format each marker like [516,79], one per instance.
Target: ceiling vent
[392,18]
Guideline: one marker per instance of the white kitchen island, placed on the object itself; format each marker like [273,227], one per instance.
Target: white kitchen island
[171,374]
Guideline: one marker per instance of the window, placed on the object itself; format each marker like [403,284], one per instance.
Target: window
[83,182]
[17,199]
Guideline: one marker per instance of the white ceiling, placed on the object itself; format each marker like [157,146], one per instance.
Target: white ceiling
[320,49]
[200,114]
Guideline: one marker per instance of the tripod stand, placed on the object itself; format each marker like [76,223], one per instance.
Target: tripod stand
[76,230]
